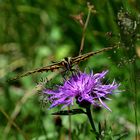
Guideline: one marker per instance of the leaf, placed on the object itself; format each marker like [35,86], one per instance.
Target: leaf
[69,112]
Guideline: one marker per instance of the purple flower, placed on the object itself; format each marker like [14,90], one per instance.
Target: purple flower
[85,88]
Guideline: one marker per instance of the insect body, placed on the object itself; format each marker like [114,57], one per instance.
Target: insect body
[66,63]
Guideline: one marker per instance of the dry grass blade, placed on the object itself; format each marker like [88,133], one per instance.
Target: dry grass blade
[11,121]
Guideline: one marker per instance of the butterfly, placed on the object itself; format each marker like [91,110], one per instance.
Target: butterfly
[66,63]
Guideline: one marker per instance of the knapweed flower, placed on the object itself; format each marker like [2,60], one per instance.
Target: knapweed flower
[85,88]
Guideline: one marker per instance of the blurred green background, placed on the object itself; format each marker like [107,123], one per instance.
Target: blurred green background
[33,33]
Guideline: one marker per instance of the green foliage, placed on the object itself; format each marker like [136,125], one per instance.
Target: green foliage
[35,33]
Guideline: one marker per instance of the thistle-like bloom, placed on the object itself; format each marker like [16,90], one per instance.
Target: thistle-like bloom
[85,88]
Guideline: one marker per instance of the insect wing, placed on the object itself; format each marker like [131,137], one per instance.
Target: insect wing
[76,60]
[46,68]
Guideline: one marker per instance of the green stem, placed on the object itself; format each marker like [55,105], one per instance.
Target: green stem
[91,121]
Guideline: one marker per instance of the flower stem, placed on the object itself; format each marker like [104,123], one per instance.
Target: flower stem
[91,121]
[69,124]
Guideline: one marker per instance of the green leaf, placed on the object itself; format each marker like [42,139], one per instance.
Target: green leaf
[69,112]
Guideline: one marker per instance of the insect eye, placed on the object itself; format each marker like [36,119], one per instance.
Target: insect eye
[66,59]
